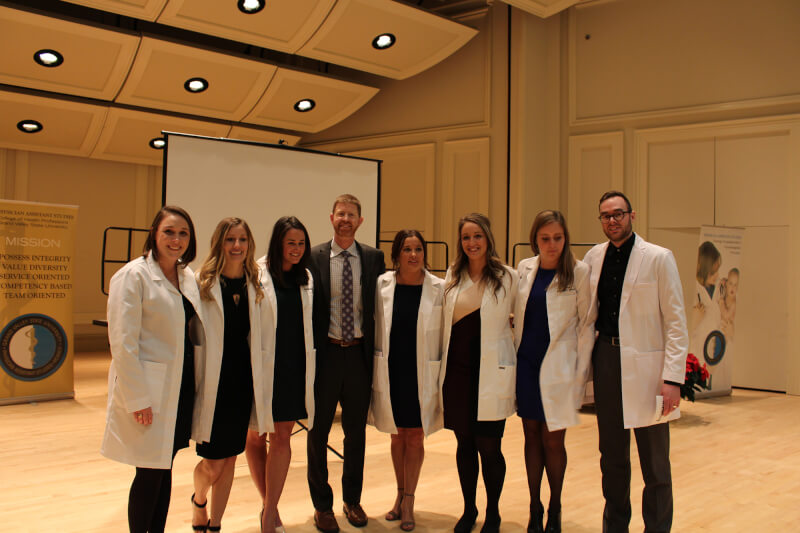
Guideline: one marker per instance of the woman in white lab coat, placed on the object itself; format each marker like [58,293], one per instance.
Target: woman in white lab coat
[289,362]
[405,383]
[233,371]
[554,338]
[478,364]
[153,328]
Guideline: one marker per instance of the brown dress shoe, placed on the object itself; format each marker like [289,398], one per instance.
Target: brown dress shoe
[355,514]
[325,521]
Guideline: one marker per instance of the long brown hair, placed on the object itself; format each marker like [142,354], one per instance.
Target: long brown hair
[215,261]
[565,270]
[150,243]
[493,271]
[399,242]
[298,273]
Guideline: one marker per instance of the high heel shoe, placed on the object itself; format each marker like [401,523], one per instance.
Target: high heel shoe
[491,524]
[553,520]
[466,522]
[535,521]
[408,525]
[393,515]
[203,527]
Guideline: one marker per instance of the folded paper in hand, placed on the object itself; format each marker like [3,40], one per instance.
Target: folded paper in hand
[658,416]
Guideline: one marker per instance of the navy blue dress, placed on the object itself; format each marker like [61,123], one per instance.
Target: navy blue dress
[403,386]
[533,347]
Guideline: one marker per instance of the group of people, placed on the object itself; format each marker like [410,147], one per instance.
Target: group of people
[233,356]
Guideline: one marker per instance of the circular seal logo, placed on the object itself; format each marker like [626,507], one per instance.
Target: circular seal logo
[32,347]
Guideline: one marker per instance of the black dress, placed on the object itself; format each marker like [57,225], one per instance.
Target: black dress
[460,388]
[183,421]
[235,389]
[289,381]
[403,386]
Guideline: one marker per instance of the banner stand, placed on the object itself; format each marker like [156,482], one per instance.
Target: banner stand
[37,243]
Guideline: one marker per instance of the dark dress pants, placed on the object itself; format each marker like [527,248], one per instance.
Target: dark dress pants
[342,377]
[615,460]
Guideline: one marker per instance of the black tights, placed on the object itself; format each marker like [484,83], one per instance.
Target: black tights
[493,466]
[544,450]
[148,501]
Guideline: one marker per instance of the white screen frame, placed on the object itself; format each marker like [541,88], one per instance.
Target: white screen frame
[308,181]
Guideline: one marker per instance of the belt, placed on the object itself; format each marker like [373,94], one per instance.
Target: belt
[613,341]
[344,344]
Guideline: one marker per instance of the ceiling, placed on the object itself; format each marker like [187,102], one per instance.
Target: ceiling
[126,63]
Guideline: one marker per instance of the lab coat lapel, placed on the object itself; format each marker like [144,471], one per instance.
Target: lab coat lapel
[632,272]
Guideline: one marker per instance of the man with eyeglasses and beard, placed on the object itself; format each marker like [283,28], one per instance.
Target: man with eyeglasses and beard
[638,361]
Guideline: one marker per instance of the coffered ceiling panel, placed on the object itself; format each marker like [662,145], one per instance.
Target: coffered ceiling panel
[95,60]
[422,38]
[283,25]
[68,128]
[162,68]
[140,9]
[262,136]
[543,8]
[333,101]
[127,134]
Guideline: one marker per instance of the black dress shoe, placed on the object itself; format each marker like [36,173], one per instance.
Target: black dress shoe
[466,522]
[553,521]
[491,524]
[535,521]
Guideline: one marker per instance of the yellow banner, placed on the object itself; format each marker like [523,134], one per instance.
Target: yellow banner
[37,243]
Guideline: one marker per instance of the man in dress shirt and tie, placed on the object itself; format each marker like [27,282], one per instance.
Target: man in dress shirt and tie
[639,355]
[345,273]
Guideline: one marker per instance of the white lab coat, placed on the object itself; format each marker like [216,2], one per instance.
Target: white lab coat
[269,321]
[570,319]
[206,399]
[652,326]
[429,353]
[498,368]
[146,332]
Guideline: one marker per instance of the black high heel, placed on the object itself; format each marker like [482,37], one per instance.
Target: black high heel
[466,522]
[535,522]
[203,527]
[553,520]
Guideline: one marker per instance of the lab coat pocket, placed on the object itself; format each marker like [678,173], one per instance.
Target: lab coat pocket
[431,383]
[155,374]
[506,354]
[380,372]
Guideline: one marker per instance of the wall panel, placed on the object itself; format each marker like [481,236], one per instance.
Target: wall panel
[595,166]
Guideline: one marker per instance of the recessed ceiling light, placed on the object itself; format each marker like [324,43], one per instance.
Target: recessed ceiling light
[196,85]
[383,41]
[48,58]
[29,126]
[306,104]
[158,143]
[251,6]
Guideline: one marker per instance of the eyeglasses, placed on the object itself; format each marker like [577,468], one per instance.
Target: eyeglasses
[616,215]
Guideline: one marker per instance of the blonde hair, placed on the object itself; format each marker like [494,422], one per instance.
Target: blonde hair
[215,261]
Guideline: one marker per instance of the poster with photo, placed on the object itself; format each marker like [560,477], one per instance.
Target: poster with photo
[712,324]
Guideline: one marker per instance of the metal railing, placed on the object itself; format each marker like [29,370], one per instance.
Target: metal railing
[429,243]
[105,260]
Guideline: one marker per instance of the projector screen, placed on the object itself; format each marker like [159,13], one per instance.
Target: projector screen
[217,178]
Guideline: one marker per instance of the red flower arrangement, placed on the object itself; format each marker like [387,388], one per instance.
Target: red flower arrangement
[696,378]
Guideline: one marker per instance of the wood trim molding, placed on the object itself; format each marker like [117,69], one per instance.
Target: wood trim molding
[614,141]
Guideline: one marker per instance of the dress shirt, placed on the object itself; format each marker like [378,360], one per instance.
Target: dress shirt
[609,289]
[337,266]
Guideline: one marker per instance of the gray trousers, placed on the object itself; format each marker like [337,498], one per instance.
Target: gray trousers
[615,454]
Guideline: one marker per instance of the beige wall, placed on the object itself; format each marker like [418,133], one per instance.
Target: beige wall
[442,138]
[698,100]
[107,194]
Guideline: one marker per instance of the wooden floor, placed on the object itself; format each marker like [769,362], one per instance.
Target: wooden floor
[735,459]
